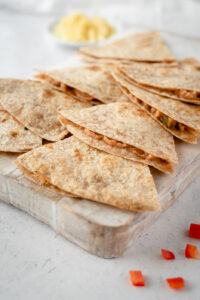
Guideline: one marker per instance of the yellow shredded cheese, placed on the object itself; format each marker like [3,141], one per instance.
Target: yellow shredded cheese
[79,28]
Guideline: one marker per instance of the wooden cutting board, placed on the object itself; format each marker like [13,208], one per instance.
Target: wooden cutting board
[101,230]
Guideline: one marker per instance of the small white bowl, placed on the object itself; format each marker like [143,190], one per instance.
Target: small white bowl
[80,44]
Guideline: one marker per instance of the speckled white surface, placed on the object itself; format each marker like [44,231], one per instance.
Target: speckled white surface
[36,263]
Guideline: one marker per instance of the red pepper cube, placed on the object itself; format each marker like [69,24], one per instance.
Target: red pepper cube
[191,251]
[166,254]
[194,231]
[176,283]
[137,278]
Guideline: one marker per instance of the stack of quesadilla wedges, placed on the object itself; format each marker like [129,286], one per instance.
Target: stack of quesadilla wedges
[91,83]
[124,130]
[179,118]
[123,112]
[175,83]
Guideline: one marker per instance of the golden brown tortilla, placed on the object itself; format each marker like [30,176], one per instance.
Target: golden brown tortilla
[86,83]
[75,167]
[41,180]
[146,47]
[180,119]
[36,106]
[122,129]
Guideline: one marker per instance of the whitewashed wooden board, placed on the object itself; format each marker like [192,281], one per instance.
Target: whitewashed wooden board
[101,230]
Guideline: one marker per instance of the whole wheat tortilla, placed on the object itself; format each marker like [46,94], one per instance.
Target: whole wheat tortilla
[125,123]
[75,167]
[36,106]
[186,114]
[105,61]
[147,46]
[14,137]
[41,180]
[94,81]
[165,81]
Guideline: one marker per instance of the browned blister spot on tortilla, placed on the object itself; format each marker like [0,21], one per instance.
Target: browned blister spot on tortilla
[48,93]
[77,154]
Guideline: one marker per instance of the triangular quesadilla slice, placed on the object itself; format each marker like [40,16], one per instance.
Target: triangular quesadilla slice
[77,168]
[177,83]
[86,83]
[147,46]
[123,129]
[179,118]
[14,137]
[36,106]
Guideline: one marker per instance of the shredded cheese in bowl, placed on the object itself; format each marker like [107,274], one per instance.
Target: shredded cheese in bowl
[79,28]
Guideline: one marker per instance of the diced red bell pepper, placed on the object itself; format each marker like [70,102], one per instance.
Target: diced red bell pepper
[137,278]
[194,231]
[191,251]
[166,254]
[176,283]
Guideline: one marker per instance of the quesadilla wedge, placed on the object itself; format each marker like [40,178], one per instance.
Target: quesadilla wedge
[36,106]
[180,119]
[146,47]
[77,168]
[123,129]
[86,83]
[177,83]
[14,137]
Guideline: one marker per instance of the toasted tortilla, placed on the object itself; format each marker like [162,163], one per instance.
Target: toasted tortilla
[179,83]
[123,129]
[77,168]
[105,61]
[146,47]
[36,106]
[86,83]
[41,180]
[189,63]
[14,137]
[180,119]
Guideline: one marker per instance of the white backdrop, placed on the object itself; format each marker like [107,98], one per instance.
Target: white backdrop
[178,16]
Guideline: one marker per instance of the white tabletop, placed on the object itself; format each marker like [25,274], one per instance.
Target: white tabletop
[37,263]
